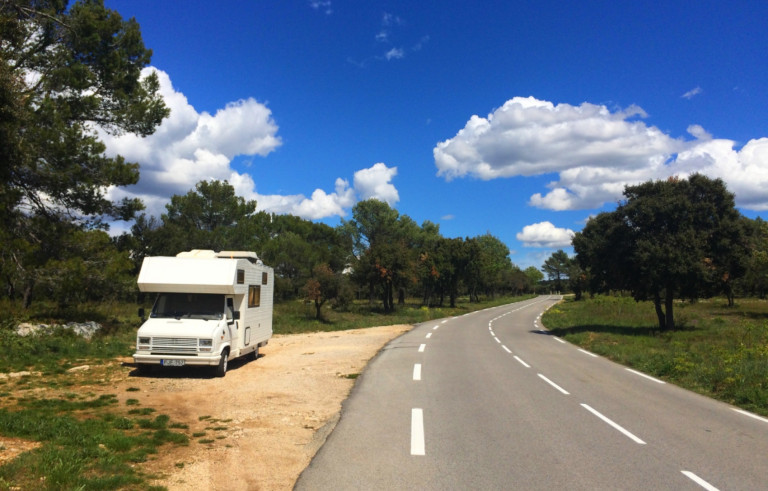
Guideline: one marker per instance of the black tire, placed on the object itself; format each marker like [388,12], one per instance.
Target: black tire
[221,369]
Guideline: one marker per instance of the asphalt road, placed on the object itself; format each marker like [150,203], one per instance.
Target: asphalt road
[490,400]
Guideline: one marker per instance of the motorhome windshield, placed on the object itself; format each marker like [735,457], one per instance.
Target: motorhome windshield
[207,306]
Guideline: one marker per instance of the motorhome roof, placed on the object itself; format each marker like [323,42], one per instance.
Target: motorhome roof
[207,254]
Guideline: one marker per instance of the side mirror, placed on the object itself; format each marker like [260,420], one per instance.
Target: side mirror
[141,313]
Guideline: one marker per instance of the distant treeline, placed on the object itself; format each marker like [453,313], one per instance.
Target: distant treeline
[378,255]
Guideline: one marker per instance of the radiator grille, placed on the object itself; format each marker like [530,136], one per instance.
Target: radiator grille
[168,346]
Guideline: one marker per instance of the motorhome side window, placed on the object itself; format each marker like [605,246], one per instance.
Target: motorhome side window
[254,295]
[264,278]
[240,276]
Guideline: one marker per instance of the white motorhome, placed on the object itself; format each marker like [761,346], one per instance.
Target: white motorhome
[211,307]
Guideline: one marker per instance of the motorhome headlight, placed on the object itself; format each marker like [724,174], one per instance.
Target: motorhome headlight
[205,344]
[144,342]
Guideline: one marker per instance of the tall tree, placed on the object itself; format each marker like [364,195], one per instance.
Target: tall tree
[755,280]
[534,277]
[65,75]
[669,239]
[324,285]
[488,265]
[557,267]
[383,248]
[210,217]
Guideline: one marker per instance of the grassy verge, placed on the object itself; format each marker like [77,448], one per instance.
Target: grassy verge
[717,351]
[84,443]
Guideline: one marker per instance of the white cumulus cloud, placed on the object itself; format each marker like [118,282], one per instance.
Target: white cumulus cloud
[375,182]
[544,234]
[191,146]
[595,152]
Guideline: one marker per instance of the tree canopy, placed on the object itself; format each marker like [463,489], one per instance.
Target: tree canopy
[66,73]
[679,238]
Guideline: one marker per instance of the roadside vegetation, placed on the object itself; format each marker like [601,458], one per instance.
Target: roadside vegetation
[715,350]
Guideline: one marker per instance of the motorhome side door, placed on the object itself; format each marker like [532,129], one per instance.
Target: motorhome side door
[233,325]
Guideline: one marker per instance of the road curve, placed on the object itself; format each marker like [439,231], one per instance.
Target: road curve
[491,400]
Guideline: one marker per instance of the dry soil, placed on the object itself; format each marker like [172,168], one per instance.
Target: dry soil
[264,421]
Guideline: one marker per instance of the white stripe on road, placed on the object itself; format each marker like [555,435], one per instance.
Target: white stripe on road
[417,432]
[522,362]
[417,371]
[646,376]
[429,335]
[497,339]
[545,379]
[506,349]
[615,426]
[422,347]
[701,482]
[559,340]
[747,413]
[588,353]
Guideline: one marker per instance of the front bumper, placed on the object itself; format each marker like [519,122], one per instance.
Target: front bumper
[200,360]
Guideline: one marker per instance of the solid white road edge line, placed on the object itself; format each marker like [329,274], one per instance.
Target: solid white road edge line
[615,425]
[646,376]
[545,379]
[417,371]
[701,482]
[559,340]
[751,415]
[417,432]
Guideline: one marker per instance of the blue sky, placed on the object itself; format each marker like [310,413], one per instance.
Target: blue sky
[520,119]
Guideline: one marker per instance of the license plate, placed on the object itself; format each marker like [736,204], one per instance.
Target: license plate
[172,363]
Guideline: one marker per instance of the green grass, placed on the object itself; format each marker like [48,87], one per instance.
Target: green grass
[83,444]
[55,353]
[717,351]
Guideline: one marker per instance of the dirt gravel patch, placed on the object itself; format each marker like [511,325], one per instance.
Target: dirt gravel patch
[259,426]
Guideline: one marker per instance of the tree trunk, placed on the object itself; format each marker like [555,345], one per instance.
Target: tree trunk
[659,311]
[27,298]
[670,300]
[729,294]
[371,293]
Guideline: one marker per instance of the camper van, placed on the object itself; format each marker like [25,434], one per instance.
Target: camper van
[211,307]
